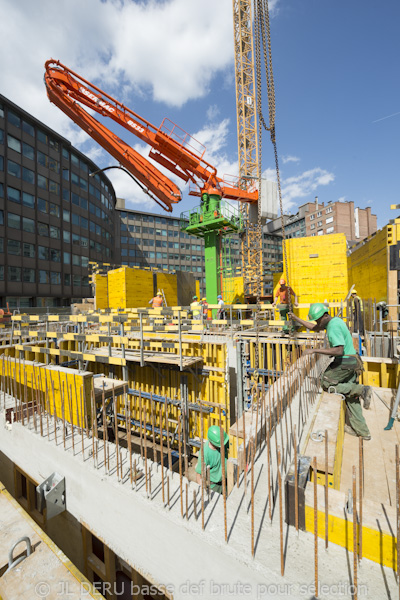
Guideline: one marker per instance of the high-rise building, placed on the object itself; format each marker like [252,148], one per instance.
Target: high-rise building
[54,216]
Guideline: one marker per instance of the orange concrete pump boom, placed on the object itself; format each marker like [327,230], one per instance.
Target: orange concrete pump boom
[171,147]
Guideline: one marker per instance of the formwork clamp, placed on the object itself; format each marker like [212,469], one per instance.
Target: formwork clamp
[51,495]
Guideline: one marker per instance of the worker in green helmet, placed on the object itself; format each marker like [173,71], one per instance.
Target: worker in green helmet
[211,450]
[343,372]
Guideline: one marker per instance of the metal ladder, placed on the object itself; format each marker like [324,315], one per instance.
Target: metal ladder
[164,298]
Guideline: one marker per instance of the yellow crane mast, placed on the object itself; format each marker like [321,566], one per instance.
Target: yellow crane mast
[248,152]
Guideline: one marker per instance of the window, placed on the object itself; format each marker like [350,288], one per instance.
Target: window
[1,245]
[321,232]
[66,236]
[28,250]
[28,151]
[1,273]
[28,200]
[13,194]
[65,174]
[13,143]
[14,247]
[312,217]
[43,229]
[28,175]
[44,277]
[67,258]
[14,273]
[312,226]
[28,275]
[13,169]
[84,223]
[1,136]
[41,136]
[54,165]
[84,204]
[65,153]
[75,219]
[28,128]
[330,230]
[42,205]
[330,220]
[54,187]
[55,232]
[14,221]
[67,279]
[319,214]
[66,215]
[14,119]
[28,225]
[43,253]
[319,223]
[77,280]
[75,178]
[76,260]
[55,278]
[42,182]
[329,210]
[54,210]
[55,255]
[65,195]
[74,159]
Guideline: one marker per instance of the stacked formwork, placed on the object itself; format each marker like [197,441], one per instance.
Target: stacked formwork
[317,269]
[128,288]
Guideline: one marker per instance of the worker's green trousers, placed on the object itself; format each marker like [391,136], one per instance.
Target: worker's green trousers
[283,313]
[342,375]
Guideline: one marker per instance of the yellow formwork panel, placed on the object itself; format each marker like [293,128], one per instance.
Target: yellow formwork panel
[67,393]
[368,267]
[129,288]
[233,290]
[59,389]
[101,283]
[168,283]
[317,269]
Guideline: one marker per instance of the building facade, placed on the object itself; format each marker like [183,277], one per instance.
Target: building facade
[54,216]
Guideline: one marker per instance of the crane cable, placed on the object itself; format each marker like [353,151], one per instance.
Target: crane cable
[263,36]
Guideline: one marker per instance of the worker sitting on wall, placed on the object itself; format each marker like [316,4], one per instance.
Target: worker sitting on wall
[212,457]
[195,307]
[343,372]
[283,294]
[358,313]
[157,301]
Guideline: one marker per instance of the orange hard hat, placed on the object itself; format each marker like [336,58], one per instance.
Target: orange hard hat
[282,281]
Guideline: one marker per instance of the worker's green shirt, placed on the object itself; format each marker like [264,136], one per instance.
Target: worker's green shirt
[339,335]
[212,458]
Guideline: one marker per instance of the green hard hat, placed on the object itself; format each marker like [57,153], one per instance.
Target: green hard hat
[316,311]
[214,436]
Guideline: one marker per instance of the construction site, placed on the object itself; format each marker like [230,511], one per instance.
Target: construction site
[107,406]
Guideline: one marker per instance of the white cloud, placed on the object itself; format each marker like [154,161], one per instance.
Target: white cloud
[303,185]
[342,199]
[289,158]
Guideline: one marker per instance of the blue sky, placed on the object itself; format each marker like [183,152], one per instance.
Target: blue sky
[336,82]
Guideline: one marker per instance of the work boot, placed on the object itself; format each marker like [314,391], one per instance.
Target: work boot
[350,431]
[366,395]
